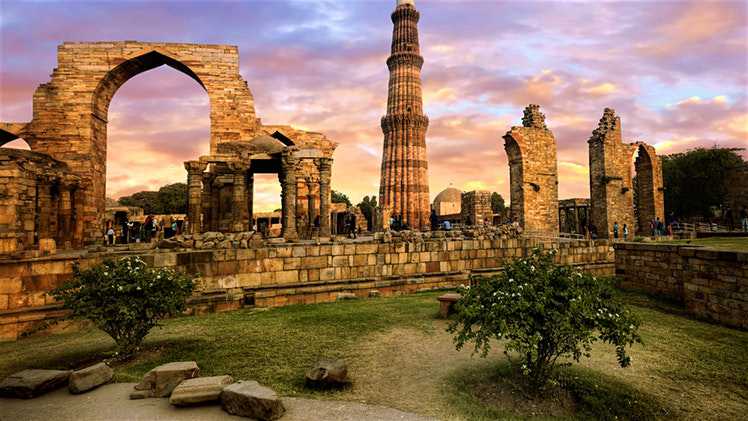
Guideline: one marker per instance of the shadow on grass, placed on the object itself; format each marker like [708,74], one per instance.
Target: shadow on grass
[491,390]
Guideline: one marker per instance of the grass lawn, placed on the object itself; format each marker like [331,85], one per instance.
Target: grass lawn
[399,355]
[723,243]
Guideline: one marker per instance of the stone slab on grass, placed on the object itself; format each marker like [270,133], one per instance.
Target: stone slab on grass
[27,384]
[161,381]
[253,400]
[199,390]
[90,378]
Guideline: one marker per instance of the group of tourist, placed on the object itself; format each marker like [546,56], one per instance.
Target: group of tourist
[397,223]
[151,229]
[445,225]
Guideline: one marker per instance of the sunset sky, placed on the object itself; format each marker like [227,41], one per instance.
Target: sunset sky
[675,71]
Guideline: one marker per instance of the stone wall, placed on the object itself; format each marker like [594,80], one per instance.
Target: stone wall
[711,284]
[280,274]
[476,208]
[533,173]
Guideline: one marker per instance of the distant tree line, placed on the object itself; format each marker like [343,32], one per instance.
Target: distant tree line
[169,199]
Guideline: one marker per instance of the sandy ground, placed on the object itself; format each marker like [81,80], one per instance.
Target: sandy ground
[111,402]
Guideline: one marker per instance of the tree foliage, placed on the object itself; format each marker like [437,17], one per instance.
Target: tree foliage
[695,181]
[497,203]
[544,312]
[169,199]
[338,197]
[125,298]
[368,207]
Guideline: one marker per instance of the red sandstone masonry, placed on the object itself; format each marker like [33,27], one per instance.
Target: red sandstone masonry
[278,275]
[712,284]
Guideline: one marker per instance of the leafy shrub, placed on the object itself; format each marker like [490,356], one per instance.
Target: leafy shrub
[125,298]
[545,312]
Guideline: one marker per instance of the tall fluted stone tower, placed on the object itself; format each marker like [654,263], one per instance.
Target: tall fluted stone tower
[404,187]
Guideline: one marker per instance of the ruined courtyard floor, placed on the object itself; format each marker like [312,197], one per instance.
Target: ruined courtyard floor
[400,356]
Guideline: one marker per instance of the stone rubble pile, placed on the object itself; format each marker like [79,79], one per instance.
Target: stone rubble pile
[478,232]
[214,240]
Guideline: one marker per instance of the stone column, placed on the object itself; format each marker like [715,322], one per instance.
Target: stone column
[65,227]
[44,201]
[288,196]
[207,202]
[325,173]
[194,194]
[239,214]
[250,187]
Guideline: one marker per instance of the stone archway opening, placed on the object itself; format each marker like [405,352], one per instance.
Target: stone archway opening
[17,143]
[644,167]
[156,121]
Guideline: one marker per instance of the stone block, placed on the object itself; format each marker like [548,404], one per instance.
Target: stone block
[199,390]
[161,381]
[90,378]
[28,384]
[251,399]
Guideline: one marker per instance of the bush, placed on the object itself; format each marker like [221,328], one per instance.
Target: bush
[545,312]
[125,298]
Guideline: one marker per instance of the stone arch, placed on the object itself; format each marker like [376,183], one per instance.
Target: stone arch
[533,173]
[648,185]
[70,111]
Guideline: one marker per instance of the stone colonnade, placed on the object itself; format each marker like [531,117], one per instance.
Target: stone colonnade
[221,199]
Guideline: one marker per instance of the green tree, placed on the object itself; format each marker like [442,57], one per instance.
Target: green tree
[171,198]
[338,197]
[694,181]
[497,203]
[368,207]
[125,298]
[544,312]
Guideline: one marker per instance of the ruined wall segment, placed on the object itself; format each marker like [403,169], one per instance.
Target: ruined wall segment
[70,112]
[611,195]
[533,173]
[404,188]
[611,179]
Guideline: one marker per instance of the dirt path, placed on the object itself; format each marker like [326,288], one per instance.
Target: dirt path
[111,402]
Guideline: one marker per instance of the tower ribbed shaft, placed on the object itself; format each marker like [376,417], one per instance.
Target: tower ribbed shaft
[404,187]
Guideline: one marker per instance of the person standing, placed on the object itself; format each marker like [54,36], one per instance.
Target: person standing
[625,232]
[615,230]
[110,235]
[744,219]
[434,220]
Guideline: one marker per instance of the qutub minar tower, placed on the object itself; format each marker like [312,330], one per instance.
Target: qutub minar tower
[404,187]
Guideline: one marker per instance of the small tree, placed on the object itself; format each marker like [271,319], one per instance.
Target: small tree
[125,298]
[545,312]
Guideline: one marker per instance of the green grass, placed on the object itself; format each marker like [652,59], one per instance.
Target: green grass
[722,243]
[399,355]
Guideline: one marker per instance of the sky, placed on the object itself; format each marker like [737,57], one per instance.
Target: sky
[676,72]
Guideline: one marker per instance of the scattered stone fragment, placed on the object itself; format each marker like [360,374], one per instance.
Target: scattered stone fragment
[251,399]
[199,390]
[28,384]
[90,378]
[161,381]
[328,372]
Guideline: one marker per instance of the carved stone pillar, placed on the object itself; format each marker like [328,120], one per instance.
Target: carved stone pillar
[194,194]
[207,202]
[240,218]
[250,187]
[65,227]
[44,201]
[325,173]
[288,196]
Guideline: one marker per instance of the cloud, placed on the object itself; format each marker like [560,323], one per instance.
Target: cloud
[674,71]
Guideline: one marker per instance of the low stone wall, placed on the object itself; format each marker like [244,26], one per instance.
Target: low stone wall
[711,284]
[281,274]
